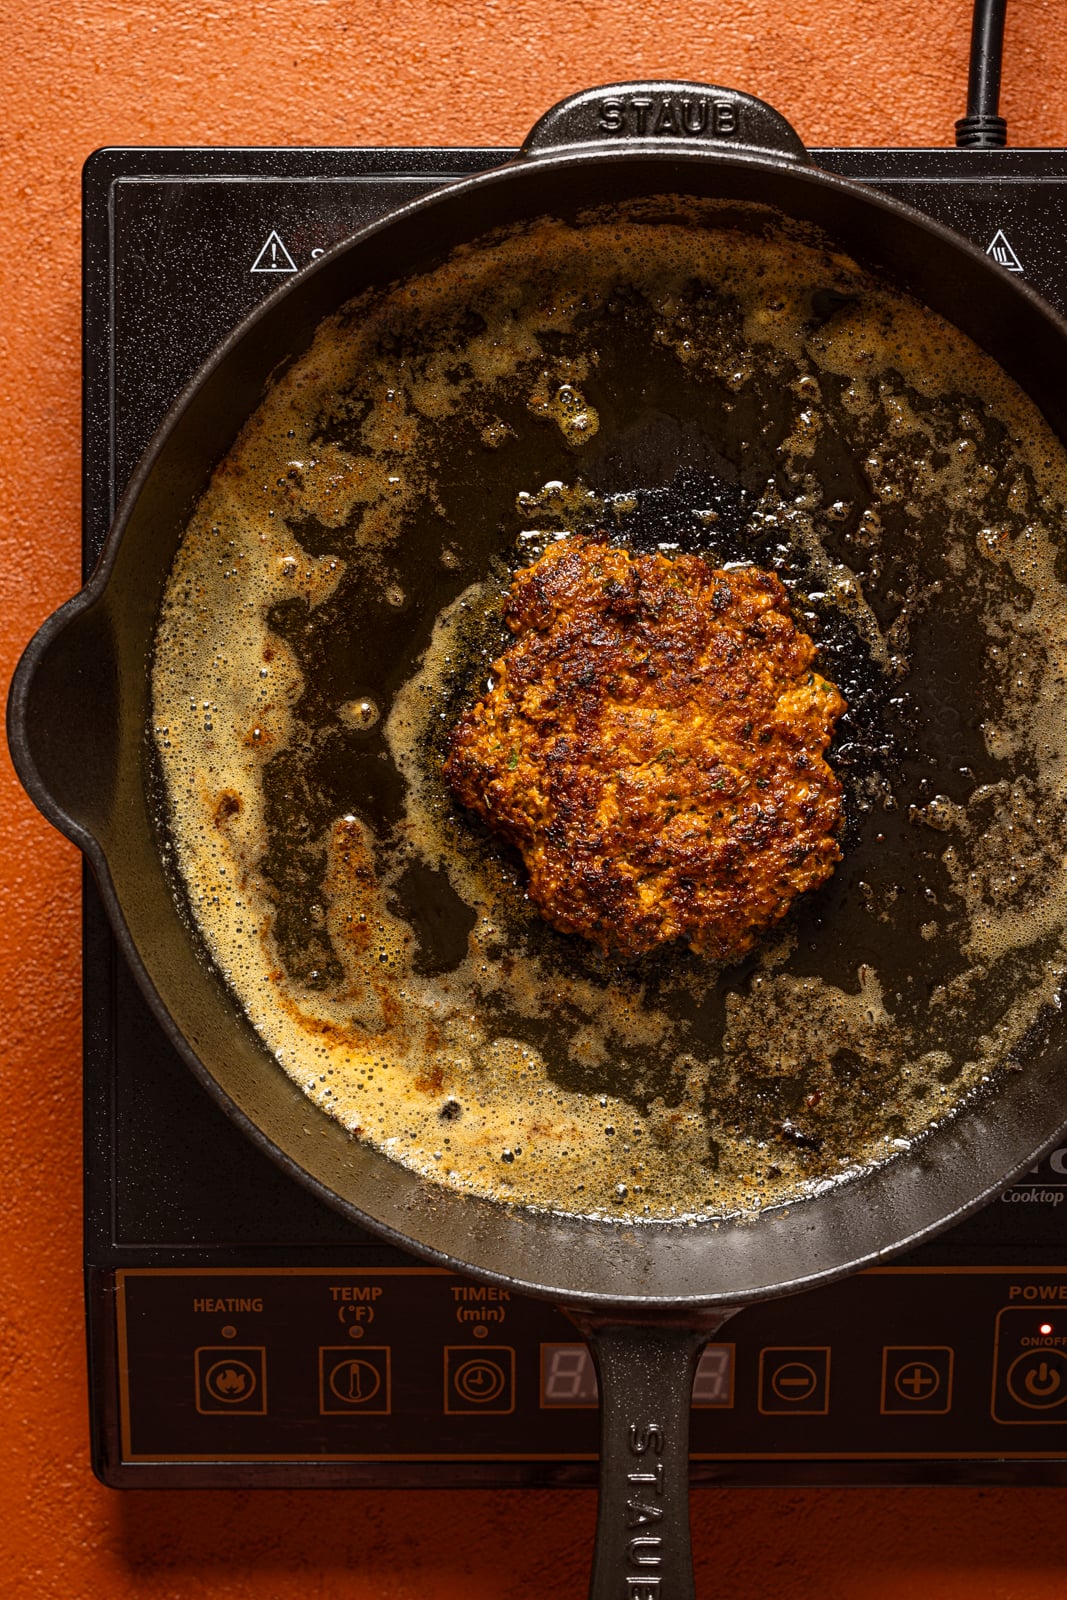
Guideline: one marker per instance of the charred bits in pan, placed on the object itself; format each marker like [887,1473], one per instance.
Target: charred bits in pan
[759,400]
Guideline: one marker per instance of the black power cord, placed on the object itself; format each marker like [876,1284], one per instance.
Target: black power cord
[983,128]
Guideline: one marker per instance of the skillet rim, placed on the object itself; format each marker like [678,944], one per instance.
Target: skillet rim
[96,590]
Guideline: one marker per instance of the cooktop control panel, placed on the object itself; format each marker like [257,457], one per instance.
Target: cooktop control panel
[243,1334]
[314,1365]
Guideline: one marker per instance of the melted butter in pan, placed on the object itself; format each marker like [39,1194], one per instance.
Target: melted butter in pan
[686,377]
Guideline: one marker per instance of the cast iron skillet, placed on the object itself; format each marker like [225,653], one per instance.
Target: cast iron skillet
[648,1297]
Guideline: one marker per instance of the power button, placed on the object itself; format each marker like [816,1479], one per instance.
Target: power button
[1030,1381]
[1038,1379]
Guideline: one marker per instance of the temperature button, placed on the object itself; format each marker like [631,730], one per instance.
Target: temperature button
[1030,1383]
[354,1381]
[479,1378]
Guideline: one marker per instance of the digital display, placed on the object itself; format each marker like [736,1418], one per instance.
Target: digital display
[568,1376]
[714,1382]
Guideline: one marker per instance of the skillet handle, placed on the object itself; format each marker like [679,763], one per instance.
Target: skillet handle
[622,115]
[646,1376]
[62,721]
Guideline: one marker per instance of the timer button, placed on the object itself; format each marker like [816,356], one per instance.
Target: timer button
[479,1379]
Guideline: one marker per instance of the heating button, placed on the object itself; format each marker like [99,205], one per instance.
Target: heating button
[231,1380]
[1031,1367]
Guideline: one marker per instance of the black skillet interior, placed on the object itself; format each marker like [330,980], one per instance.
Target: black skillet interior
[80,712]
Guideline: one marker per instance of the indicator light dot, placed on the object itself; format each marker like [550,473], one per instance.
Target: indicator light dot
[1046,1327]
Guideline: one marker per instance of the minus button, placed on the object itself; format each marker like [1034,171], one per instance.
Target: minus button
[794,1380]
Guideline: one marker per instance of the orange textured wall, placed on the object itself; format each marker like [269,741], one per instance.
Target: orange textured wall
[89,72]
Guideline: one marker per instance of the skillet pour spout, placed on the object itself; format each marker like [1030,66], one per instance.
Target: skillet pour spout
[648,1294]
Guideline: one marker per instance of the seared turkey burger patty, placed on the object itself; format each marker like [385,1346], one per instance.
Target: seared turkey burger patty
[653,744]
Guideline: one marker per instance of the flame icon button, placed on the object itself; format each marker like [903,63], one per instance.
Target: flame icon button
[229,1380]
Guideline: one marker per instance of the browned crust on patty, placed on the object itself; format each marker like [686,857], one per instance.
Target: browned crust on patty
[653,744]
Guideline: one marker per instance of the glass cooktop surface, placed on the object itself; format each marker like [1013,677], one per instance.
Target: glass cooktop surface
[241,1333]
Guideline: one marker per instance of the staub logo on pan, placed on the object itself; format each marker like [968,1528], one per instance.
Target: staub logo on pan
[644,1547]
[687,117]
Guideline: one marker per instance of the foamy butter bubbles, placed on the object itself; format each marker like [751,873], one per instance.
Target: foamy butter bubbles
[337,598]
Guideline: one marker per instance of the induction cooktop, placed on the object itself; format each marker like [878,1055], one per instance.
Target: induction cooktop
[243,1334]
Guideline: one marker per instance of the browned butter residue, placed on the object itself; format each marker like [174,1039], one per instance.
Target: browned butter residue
[443,432]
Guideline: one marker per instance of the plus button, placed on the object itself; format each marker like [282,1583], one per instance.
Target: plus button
[916,1380]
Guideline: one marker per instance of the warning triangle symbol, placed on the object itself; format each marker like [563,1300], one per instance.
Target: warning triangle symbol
[273,257]
[1002,252]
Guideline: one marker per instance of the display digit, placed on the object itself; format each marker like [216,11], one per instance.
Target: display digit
[568,1377]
